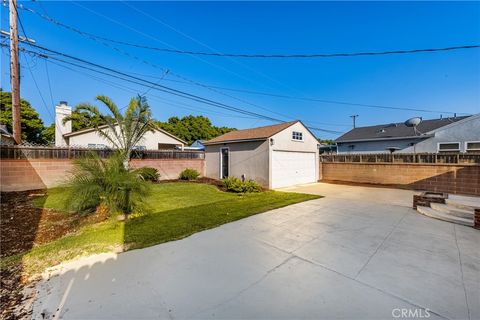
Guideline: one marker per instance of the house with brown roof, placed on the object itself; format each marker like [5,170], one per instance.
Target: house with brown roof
[275,156]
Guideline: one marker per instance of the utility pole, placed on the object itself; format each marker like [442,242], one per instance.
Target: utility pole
[15,72]
[354,117]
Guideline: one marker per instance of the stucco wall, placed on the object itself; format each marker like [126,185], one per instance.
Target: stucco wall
[249,158]
[464,130]
[377,146]
[283,141]
[150,140]
[253,158]
[467,130]
[19,175]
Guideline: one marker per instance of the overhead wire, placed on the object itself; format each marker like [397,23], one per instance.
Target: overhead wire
[186,80]
[133,79]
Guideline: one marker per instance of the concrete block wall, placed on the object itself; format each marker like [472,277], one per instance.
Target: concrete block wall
[20,175]
[170,168]
[449,178]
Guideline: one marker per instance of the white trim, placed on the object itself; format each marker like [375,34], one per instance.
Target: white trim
[221,162]
[466,144]
[233,141]
[445,142]
[297,132]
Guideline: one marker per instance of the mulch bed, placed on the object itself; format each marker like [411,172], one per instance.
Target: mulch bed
[23,226]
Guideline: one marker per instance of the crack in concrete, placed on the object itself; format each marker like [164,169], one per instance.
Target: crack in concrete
[372,287]
[461,271]
[239,293]
[380,245]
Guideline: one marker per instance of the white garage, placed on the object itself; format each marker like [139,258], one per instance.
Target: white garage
[275,156]
[292,168]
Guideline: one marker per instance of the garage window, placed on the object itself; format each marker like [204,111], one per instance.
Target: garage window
[296,135]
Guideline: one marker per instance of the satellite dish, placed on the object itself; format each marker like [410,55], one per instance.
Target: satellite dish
[413,123]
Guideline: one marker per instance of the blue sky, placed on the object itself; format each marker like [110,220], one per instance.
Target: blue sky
[448,81]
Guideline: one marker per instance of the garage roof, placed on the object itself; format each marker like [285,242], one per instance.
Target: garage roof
[259,133]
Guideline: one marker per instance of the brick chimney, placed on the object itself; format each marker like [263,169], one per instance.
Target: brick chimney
[61,112]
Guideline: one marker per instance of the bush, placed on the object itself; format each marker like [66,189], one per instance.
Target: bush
[233,184]
[189,174]
[149,174]
[97,182]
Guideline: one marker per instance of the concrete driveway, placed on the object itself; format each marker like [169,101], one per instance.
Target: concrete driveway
[340,257]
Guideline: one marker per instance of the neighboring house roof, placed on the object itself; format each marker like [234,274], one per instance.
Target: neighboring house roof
[396,130]
[260,133]
[4,131]
[6,138]
[105,126]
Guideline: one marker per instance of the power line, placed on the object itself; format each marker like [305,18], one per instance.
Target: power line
[140,81]
[29,68]
[210,87]
[155,97]
[275,95]
[254,55]
[101,40]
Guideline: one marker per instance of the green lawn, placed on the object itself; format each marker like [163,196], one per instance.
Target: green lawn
[178,210]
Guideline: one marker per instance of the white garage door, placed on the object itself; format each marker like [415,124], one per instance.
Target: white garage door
[291,168]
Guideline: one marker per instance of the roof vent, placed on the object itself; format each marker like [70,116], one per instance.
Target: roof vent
[381,131]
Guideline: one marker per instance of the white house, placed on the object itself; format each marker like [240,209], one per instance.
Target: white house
[275,156]
[156,140]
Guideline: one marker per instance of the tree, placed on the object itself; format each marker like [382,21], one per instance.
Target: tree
[326,141]
[191,128]
[97,182]
[83,119]
[124,131]
[47,135]
[32,125]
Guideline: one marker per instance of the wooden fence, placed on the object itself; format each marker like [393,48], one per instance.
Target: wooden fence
[423,158]
[41,152]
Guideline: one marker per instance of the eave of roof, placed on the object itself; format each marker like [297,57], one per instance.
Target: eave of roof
[234,141]
[253,134]
[105,126]
[423,136]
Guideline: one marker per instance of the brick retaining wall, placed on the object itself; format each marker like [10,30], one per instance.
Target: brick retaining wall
[449,178]
[19,175]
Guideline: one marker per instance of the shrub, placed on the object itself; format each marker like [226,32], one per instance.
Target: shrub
[189,174]
[233,184]
[98,182]
[149,174]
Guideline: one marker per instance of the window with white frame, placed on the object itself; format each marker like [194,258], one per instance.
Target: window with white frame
[448,146]
[297,135]
[472,146]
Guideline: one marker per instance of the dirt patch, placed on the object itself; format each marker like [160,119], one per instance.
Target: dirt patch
[22,227]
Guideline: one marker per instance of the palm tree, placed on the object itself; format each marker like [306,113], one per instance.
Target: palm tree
[106,182]
[123,131]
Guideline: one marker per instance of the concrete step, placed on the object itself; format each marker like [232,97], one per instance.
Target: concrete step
[453,211]
[463,202]
[444,216]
